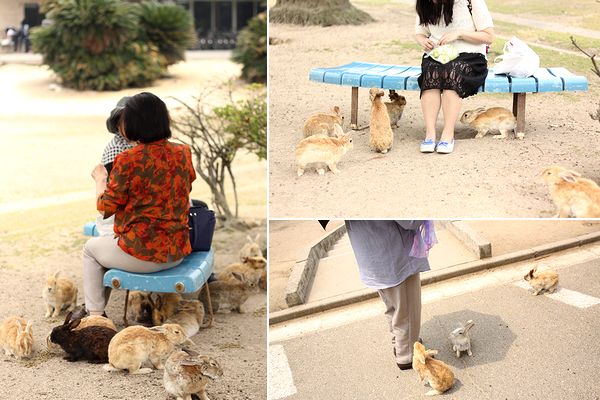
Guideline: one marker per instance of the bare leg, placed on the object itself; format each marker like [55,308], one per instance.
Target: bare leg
[451,103]
[430,105]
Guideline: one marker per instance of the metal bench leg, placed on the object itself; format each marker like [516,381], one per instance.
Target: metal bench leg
[125,313]
[519,112]
[208,300]
[354,109]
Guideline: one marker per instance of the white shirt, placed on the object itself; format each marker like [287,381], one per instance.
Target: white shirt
[461,20]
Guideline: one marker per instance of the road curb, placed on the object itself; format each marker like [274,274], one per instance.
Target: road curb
[474,241]
[305,268]
[436,276]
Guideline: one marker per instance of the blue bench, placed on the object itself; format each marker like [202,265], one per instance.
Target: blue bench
[189,276]
[403,77]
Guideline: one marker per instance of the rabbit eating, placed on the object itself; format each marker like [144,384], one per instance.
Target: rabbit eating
[491,119]
[461,341]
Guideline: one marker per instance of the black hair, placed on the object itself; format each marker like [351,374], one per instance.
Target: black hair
[430,12]
[145,119]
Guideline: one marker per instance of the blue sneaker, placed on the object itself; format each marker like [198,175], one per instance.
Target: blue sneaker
[427,146]
[445,147]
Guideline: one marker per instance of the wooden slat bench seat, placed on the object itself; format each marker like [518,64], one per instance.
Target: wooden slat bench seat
[404,77]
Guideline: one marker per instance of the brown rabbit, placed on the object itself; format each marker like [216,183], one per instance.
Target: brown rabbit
[232,294]
[188,373]
[88,343]
[322,150]
[16,337]
[491,119]
[251,248]
[90,320]
[395,108]
[59,293]
[573,195]
[190,316]
[437,373]
[381,136]
[135,345]
[251,267]
[139,306]
[323,123]
[164,306]
[542,281]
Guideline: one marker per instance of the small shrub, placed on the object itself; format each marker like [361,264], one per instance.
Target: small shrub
[247,121]
[168,27]
[93,44]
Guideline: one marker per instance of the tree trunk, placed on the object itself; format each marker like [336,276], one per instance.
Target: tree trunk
[317,12]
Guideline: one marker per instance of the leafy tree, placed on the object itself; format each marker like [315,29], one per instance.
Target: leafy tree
[216,135]
[111,44]
[167,27]
[251,49]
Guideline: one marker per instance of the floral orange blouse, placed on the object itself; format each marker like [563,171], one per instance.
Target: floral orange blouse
[148,191]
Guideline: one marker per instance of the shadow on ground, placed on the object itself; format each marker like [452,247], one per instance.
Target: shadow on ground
[491,338]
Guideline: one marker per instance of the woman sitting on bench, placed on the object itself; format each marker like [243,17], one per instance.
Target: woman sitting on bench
[467,27]
[148,192]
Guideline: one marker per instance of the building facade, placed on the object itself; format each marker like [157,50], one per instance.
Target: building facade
[217,22]
[14,12]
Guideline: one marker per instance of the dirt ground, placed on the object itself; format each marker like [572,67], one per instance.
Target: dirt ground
[49,142]
[484,178]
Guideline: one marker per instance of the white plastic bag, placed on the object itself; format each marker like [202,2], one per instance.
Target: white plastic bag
[518,59]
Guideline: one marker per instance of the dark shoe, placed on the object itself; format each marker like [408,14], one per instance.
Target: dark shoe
[404,367]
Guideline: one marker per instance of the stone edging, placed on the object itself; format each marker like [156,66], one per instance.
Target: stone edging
[305,268]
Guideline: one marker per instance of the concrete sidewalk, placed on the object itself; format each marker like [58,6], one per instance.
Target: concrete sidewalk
[336,279]
[523,346]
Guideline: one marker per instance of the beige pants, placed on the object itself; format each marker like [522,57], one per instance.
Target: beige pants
[403,311]
[101,253]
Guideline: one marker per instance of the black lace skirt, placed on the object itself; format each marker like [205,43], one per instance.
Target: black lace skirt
[465,74]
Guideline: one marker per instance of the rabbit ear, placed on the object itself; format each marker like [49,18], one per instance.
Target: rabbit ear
[569,176]
[431,352]
[420,357]
[336,109]
[56,274]
[74,324]
[239,276]
[257,237]
[19,329]
[28,327]
[68,317]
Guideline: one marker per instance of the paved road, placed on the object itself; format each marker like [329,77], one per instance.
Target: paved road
[525,347]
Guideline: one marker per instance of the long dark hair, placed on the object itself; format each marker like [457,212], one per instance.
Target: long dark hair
[430,12]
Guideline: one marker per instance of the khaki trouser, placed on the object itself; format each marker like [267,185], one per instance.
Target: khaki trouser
[102,252]
[403,303]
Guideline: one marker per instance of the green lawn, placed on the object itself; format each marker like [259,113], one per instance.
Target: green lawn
[587,12]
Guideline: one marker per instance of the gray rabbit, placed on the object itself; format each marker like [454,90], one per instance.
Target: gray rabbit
[461,341]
